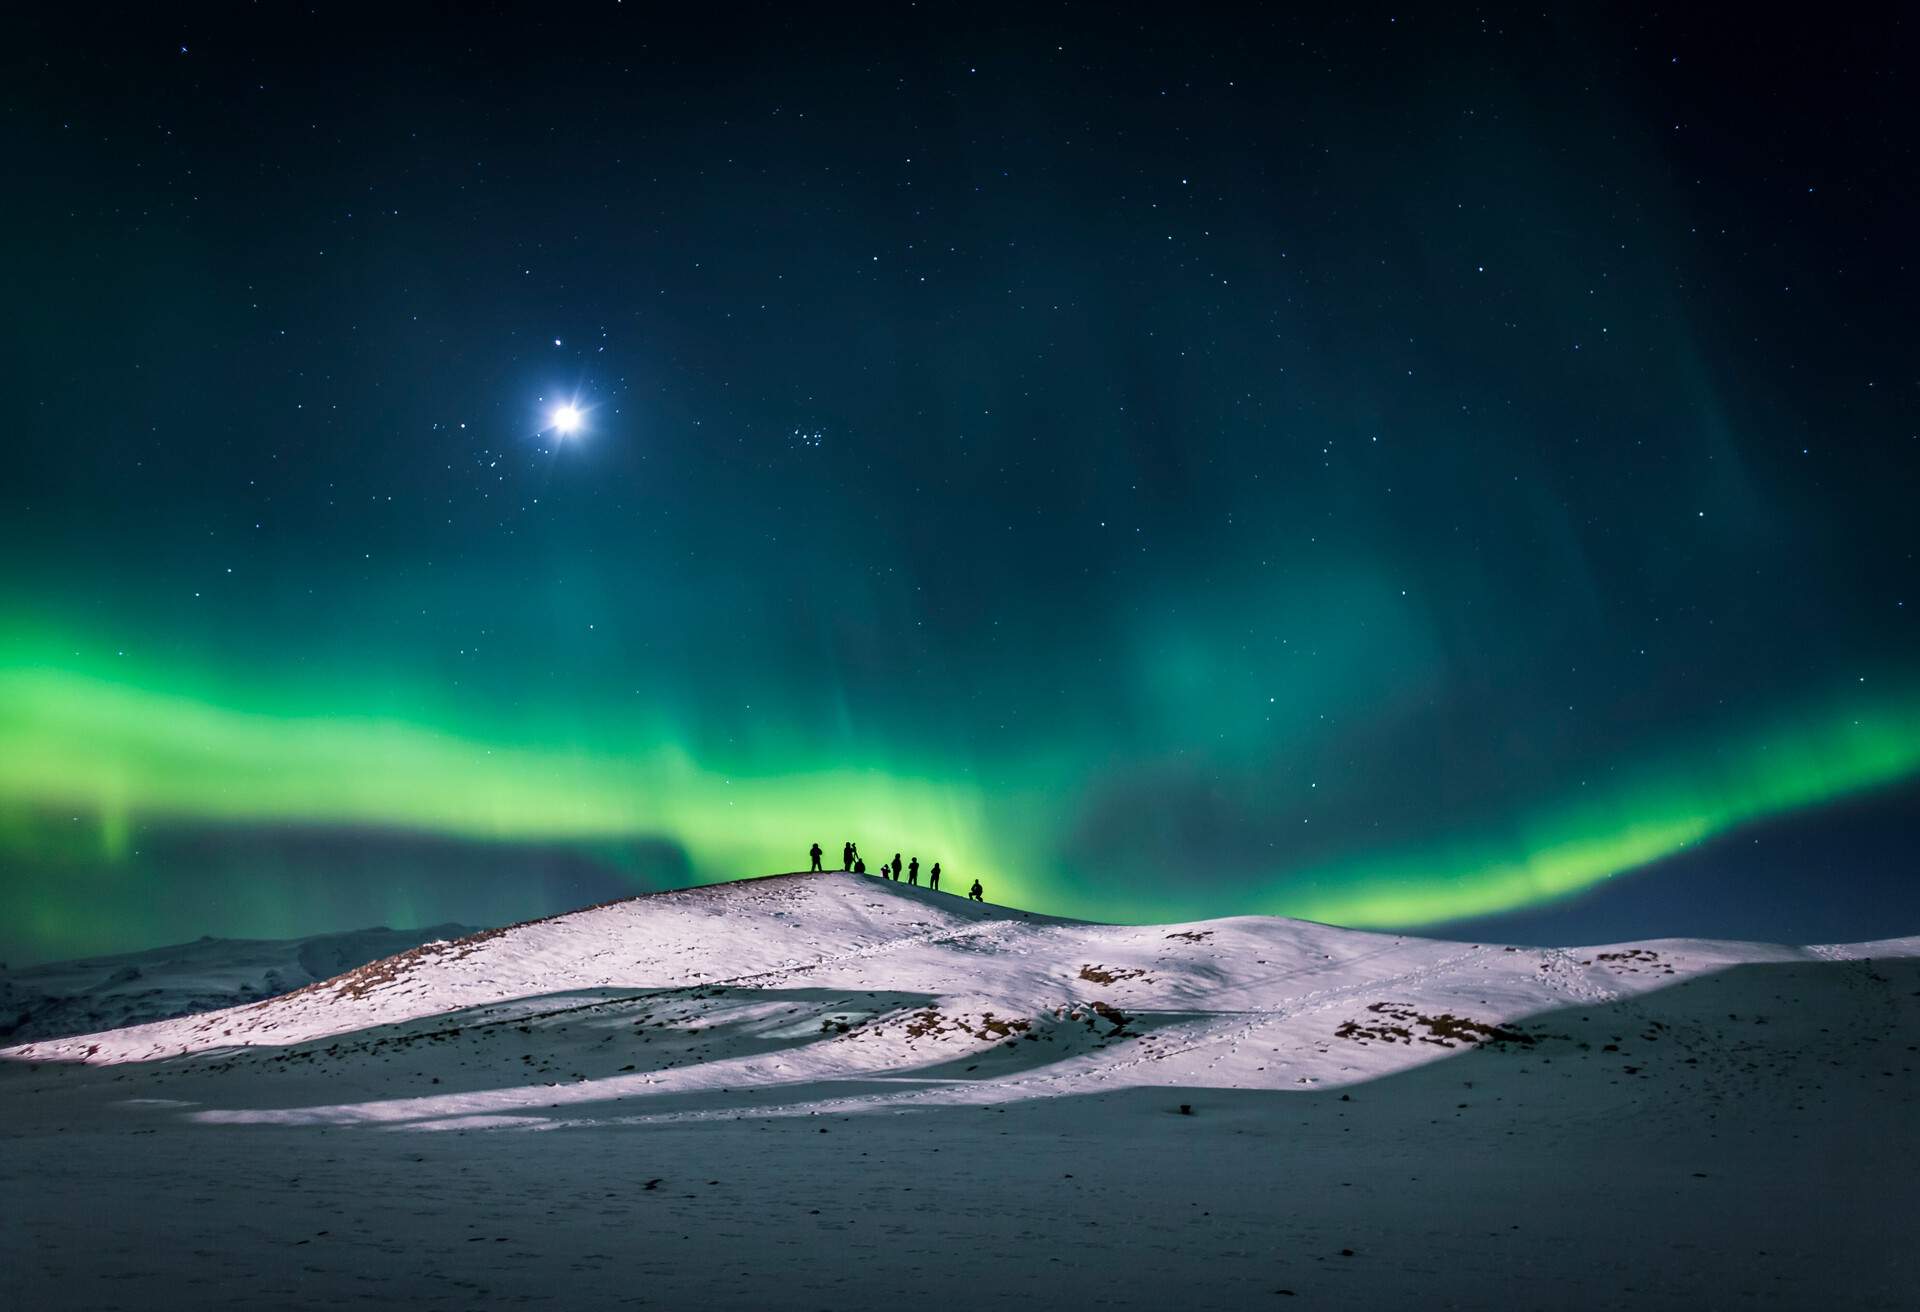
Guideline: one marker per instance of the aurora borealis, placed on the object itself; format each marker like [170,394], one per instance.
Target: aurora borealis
[1397,470]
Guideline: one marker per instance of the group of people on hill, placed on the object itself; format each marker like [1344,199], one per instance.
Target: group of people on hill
[851,860]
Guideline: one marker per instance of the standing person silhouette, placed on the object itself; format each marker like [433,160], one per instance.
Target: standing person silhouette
[977,894]
[896,867]
[815,854]
[933,877]
[913,872]
[846,856]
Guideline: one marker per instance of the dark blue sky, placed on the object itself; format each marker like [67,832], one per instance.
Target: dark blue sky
[1382,466]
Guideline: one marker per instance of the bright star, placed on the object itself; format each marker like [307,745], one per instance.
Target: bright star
[567,419]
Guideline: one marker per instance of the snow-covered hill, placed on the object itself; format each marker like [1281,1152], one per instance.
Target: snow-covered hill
[784,983]
[1197,1115]
[132,988]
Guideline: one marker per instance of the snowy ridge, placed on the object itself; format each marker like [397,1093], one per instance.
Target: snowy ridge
[832,991]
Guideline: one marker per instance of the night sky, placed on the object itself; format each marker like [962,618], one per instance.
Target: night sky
[1401,469]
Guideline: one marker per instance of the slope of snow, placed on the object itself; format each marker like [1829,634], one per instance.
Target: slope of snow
[132,988]
[1040,1111]
[799,978]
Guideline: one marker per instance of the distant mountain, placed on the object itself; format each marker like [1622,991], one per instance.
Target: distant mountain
[102,993]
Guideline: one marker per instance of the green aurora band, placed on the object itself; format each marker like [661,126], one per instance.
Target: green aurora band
[110,750]
[1653,813]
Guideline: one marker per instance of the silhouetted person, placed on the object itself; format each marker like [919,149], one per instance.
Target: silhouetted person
[846,856]
[933,877]
[913,871]
[859,866]
[896,867]
[815,854]
[977,894]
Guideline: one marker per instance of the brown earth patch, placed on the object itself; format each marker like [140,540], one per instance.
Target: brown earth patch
[1092,1015]
[1397,1024]
[1633,961]
[932,1023]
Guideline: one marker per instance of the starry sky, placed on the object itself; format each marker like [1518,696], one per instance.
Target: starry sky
[1415,470]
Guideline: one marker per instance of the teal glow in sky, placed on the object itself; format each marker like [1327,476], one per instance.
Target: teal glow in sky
[105,752]
[1389,477]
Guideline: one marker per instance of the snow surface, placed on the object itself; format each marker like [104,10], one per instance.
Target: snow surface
[625,1106]
[131,988]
